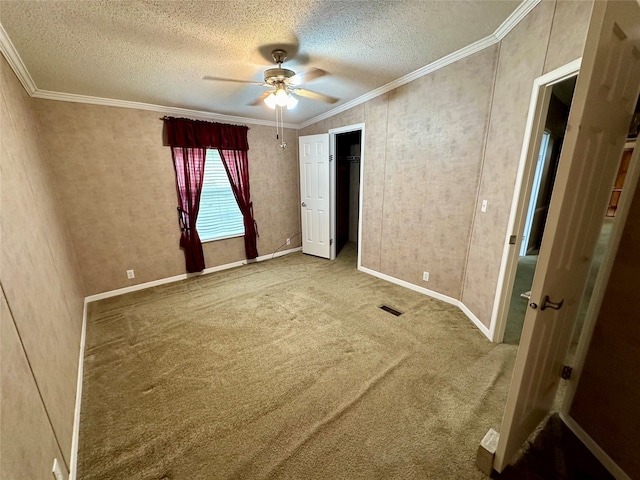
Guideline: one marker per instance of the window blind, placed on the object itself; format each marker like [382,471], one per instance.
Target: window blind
[219,216]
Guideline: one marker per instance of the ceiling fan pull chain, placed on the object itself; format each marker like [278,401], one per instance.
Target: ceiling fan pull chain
[283,144]
[276,111]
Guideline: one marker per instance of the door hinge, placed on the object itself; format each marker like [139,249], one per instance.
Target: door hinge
[331,242]
[331,158]
[512,239]
[566,372]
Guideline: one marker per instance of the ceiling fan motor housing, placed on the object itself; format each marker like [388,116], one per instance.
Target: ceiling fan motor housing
[273,76]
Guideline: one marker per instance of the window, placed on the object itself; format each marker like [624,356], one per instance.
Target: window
[219,216]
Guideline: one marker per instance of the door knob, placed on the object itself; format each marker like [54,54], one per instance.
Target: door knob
[547,303]
[304,204]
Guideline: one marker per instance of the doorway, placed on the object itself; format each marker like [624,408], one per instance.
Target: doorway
[347,155]
[347,149]
[544,173]
[599,122]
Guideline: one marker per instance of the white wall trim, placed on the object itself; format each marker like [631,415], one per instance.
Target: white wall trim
[184,276]
[481,326]
[73,464]
[173,111]
[515,18]
[512,20]
[11,54]
[598,452]
[121,291]
[528,155]
[332,150]
[409,77]
[430,293]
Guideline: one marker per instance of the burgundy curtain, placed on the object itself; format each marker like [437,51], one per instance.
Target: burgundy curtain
[236,164]
[189,167]
[189,140]
[182,132]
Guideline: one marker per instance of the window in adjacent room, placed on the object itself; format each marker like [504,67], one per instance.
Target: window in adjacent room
[219,216]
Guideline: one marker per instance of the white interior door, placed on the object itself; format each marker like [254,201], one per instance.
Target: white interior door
[604,99]
[315,195]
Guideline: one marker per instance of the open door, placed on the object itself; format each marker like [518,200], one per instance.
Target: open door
[315,195]
[604,100]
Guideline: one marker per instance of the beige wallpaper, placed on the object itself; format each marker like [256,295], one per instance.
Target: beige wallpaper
[568,33]
[522,54]
[43,299]
[438,146]
[549,37]
[421,166]
[25,432]
[117,186]
[349,117]
[377,114]
[434,152]
[96,182]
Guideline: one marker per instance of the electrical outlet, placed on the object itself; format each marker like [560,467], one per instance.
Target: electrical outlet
[425,276]
[56,470]
[484,206]
[288,241]
[130,274]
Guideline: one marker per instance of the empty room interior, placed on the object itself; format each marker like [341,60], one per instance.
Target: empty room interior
[201,281]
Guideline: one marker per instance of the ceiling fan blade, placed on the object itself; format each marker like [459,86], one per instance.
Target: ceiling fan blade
[308,76]
[315,95]
[208,77]
[260,99]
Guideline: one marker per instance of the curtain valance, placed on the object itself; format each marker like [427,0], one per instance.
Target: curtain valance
[183,132]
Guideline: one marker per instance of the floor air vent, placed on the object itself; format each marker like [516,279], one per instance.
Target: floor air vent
[392,311]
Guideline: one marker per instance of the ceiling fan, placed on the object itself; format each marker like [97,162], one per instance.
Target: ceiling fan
[283,83]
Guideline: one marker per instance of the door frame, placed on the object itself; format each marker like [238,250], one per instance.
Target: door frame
[535,191]
[536,118]
[332,184]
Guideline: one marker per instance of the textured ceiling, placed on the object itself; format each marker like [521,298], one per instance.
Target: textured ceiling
[158,51]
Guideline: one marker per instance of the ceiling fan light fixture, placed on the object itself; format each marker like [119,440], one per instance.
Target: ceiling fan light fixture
[271,101]
[281,97]
[291,102]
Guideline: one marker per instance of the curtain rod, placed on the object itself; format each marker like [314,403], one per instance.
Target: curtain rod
[233,125]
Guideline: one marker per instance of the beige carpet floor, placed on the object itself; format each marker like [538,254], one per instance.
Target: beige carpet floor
[286,369]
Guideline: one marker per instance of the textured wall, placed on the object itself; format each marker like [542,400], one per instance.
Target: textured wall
[422,154]
[42,299]
[568,33]
[436,147]
[522,54]
[549,37]
[435,134]
[117,186]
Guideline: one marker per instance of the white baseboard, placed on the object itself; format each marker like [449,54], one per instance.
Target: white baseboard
[606,461]
[184,276]
[73,464]
[430,293]
[121,291]
[177,278]
[481,326]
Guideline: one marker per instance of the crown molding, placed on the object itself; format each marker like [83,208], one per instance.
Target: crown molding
[516,17]
[410,77]
[173,111]
[11,54]
[509,24]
